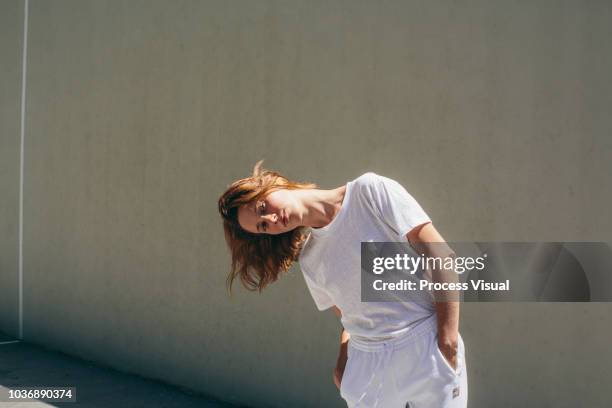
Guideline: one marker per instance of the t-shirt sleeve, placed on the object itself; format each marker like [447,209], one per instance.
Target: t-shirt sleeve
[320,296]
[397,208]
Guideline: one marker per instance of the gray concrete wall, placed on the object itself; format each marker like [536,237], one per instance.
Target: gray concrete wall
[494,115]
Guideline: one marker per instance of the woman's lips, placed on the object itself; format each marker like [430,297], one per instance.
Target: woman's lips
[285,219]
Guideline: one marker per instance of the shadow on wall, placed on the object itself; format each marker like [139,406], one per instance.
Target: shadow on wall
[25,365]
[549,271]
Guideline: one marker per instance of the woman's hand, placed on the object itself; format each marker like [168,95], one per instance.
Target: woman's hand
[449,348]
[342,357]
[339,371]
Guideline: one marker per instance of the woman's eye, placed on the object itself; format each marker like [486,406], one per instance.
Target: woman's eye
[262,207]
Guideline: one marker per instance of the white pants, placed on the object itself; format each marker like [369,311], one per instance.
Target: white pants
[408,371]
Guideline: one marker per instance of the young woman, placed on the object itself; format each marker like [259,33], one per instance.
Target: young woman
[392,354]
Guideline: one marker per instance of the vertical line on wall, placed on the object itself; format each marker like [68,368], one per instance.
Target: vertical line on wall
[23,105]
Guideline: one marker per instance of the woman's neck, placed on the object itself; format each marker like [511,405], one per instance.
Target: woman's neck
[319,207]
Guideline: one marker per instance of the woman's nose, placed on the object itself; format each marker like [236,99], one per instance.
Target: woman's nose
[271,217]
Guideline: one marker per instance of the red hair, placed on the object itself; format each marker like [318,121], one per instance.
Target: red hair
[258,259]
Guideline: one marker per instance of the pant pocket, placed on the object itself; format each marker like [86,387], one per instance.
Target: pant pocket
[444,362]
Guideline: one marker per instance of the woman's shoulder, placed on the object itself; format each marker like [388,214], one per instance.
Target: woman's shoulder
[367,189]
[368,179]
[375,181]
[374,187]
[369,182]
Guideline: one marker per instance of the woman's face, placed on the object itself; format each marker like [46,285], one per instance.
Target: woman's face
[274,214]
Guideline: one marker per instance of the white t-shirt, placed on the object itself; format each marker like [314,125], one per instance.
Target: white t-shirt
[374,209]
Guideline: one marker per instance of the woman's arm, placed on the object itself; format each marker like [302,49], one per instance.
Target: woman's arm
[341,362]
[448,312]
